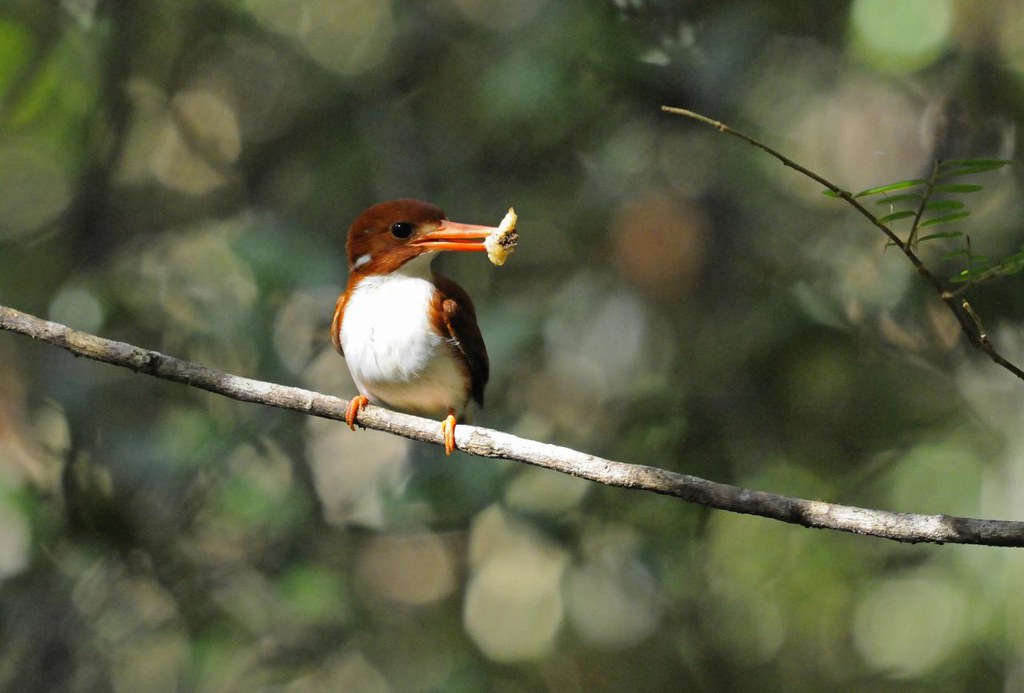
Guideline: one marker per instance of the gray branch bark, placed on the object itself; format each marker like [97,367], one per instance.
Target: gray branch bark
[483,442]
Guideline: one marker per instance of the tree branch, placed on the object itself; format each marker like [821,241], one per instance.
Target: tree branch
[483,442]
[969,323]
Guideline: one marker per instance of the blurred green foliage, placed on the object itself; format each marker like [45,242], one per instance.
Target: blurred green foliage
[181,175]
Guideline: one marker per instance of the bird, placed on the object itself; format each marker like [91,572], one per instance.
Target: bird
[410,336]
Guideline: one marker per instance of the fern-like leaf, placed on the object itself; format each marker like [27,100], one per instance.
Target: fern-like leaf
[958,188]
[966,167]
[941,235]
[942,205]
[902,214]
[944,219]
[901,185]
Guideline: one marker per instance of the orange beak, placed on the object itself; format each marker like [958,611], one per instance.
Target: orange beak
[451,235]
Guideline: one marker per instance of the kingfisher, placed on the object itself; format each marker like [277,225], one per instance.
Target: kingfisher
[410,336]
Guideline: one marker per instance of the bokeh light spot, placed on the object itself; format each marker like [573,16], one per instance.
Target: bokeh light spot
[659,243]
[346,36]
[36,190]
[596,338]
[198,139]
[211,123]
[355,473]
[900,35]
[906,626]
[612,602]
[513,609]
[415,568]
[78,308]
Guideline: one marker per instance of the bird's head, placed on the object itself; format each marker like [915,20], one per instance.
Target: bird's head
[388,235]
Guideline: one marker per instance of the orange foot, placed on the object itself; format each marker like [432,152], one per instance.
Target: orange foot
[448,431]
[354,407]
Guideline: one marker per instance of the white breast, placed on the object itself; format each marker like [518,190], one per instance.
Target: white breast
[395,357]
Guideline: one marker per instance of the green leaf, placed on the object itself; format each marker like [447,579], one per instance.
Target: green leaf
[958,188]
[945,219]
[938,205]
[830,193]
[904,197]
[903,184]
[943,234]
[897,215]
[966,167]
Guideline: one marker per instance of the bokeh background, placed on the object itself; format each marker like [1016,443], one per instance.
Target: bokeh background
[180,174]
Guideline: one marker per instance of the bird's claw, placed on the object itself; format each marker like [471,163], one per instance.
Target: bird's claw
[448,431]
[355,406]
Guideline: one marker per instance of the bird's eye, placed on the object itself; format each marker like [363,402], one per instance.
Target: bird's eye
[401,229]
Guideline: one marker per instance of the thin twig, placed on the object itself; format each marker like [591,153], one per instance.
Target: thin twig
[930,186]
[483,442]
[977,320]
[968,323]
